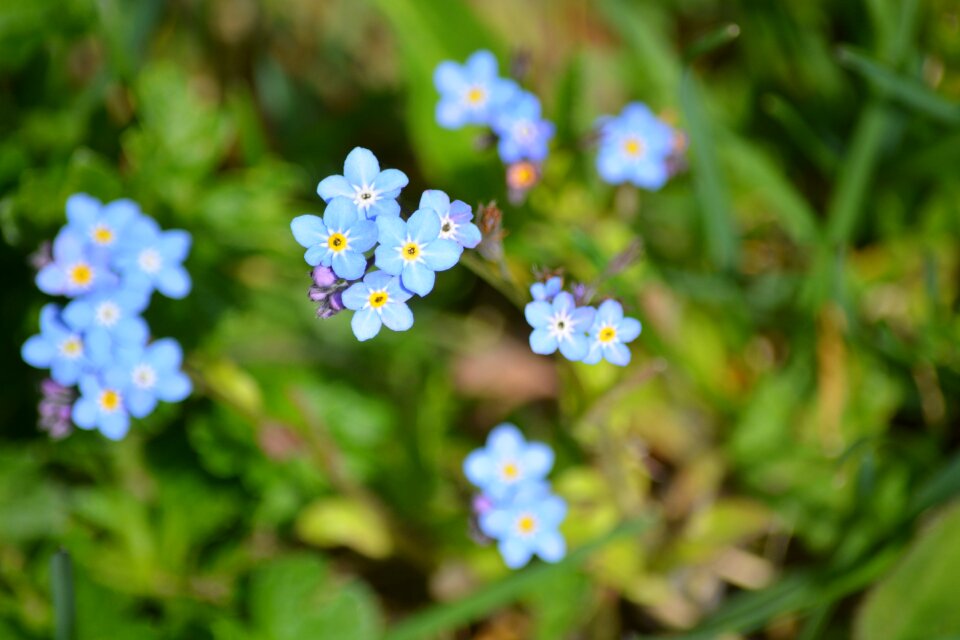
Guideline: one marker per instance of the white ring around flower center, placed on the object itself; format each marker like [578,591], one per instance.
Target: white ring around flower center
[144,376]
[560,325]
[150,260]
[71,348]
[411,251]
[107,313]
[526,525]
[365,197]
[448,228]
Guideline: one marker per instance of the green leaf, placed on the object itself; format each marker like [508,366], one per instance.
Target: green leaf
[337,521]
[918,598]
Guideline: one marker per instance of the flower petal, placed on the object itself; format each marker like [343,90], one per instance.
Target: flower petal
[583,318]
[349,265]
[397,316]
[387,257]
[361,167]
[363,235]
[495,523]
[175,245]
[356,296]
[84,413]
[436,200]
[165,354]
[448,77]
[629,329]
[478,468]
[418,278]
[468,235]
[174,387]
[51,279]
[424,225]
[515,553]
[537,460]
[506,441]
[575,347]
[538,313]
[335,187]
[618,354]
[392,231]
[115,425]
[308,230]
[552,510]
[390,180]
[384,208]
[482,65]
[317,255]
[82,209]
[441,255]
[174,282]
[551,546]
[542,342]
[564,301]
[366,324]
[140,403]
[450,114]
[38,352]
[340,215]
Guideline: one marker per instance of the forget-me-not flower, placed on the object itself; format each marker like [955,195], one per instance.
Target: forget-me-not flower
[370,191]
[609,334]
[523,134]
[338,240]
[107,318]
[455,218]
[151,373]
[151,258]
[74,270]
[378,300]
[635,147]
[546,291]
[471,93]
[414,250]
[101,225]
[559,324]
[56,347]
[527,525]
[507,462]
[101,406]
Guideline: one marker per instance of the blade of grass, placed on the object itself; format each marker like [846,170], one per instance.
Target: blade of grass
[712,41]
[446,617]
[61,580]
[711,189]
[803,135]
[907,91]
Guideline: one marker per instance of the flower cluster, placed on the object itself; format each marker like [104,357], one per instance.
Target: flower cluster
[107,259]
[639,148]
[474,93]
[580,332]
[516,506]
[362,216]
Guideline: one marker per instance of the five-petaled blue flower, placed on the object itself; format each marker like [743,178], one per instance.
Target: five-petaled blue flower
[609,334]
[414,250]
[559,324]
[548,290]
[151,258]
[507,462]
[152,373]
[100,225]
[108,318]
[527,525]
[370,192]
[56,347]
[101,406]
[378,300]
[455,218]
[74,270]
[338,240]
[471,93]
[523,134]
[635,147]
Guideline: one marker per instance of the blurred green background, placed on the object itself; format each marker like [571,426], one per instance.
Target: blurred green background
[779,461]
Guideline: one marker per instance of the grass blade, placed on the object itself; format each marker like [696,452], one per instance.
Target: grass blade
[61,579]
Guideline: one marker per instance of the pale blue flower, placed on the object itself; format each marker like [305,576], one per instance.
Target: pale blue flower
[527,525]
[148,374]
[75,270]
[56,347]
[150,258]
[609,334]
[559,324]
[102,226]
[101,406]
[370,192]
[339,240]
[471,93]
[109,318]
[546,291]
[635,147]
[523,134]
[507,462]
[378,300]
[414,250]
[455,218]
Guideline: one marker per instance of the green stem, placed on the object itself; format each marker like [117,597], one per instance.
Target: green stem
[61,578]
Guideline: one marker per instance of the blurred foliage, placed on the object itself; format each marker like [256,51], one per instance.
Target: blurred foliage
[786,429]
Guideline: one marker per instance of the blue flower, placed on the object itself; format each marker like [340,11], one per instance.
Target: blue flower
[150,258]
[74,270]
[471,93]
[559,324]
[527,525]
[56,347]
[609,334]
[378,300]
[635,147]
[151,373]
[507,462]
[108,318]
[101,406]
[102,226]
[338,240]
[523,134]
[414,250]
[546,291]
[455,218]
[369,191]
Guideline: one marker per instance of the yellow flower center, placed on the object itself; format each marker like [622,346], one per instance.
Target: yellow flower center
[81,274]
[521,175]
[71,347]
[476,95]
[337,242]
[607,334]
[511,471]
[526,524]
[378,299]
[410,251]
[102,234]
[633,147]
[109,400]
